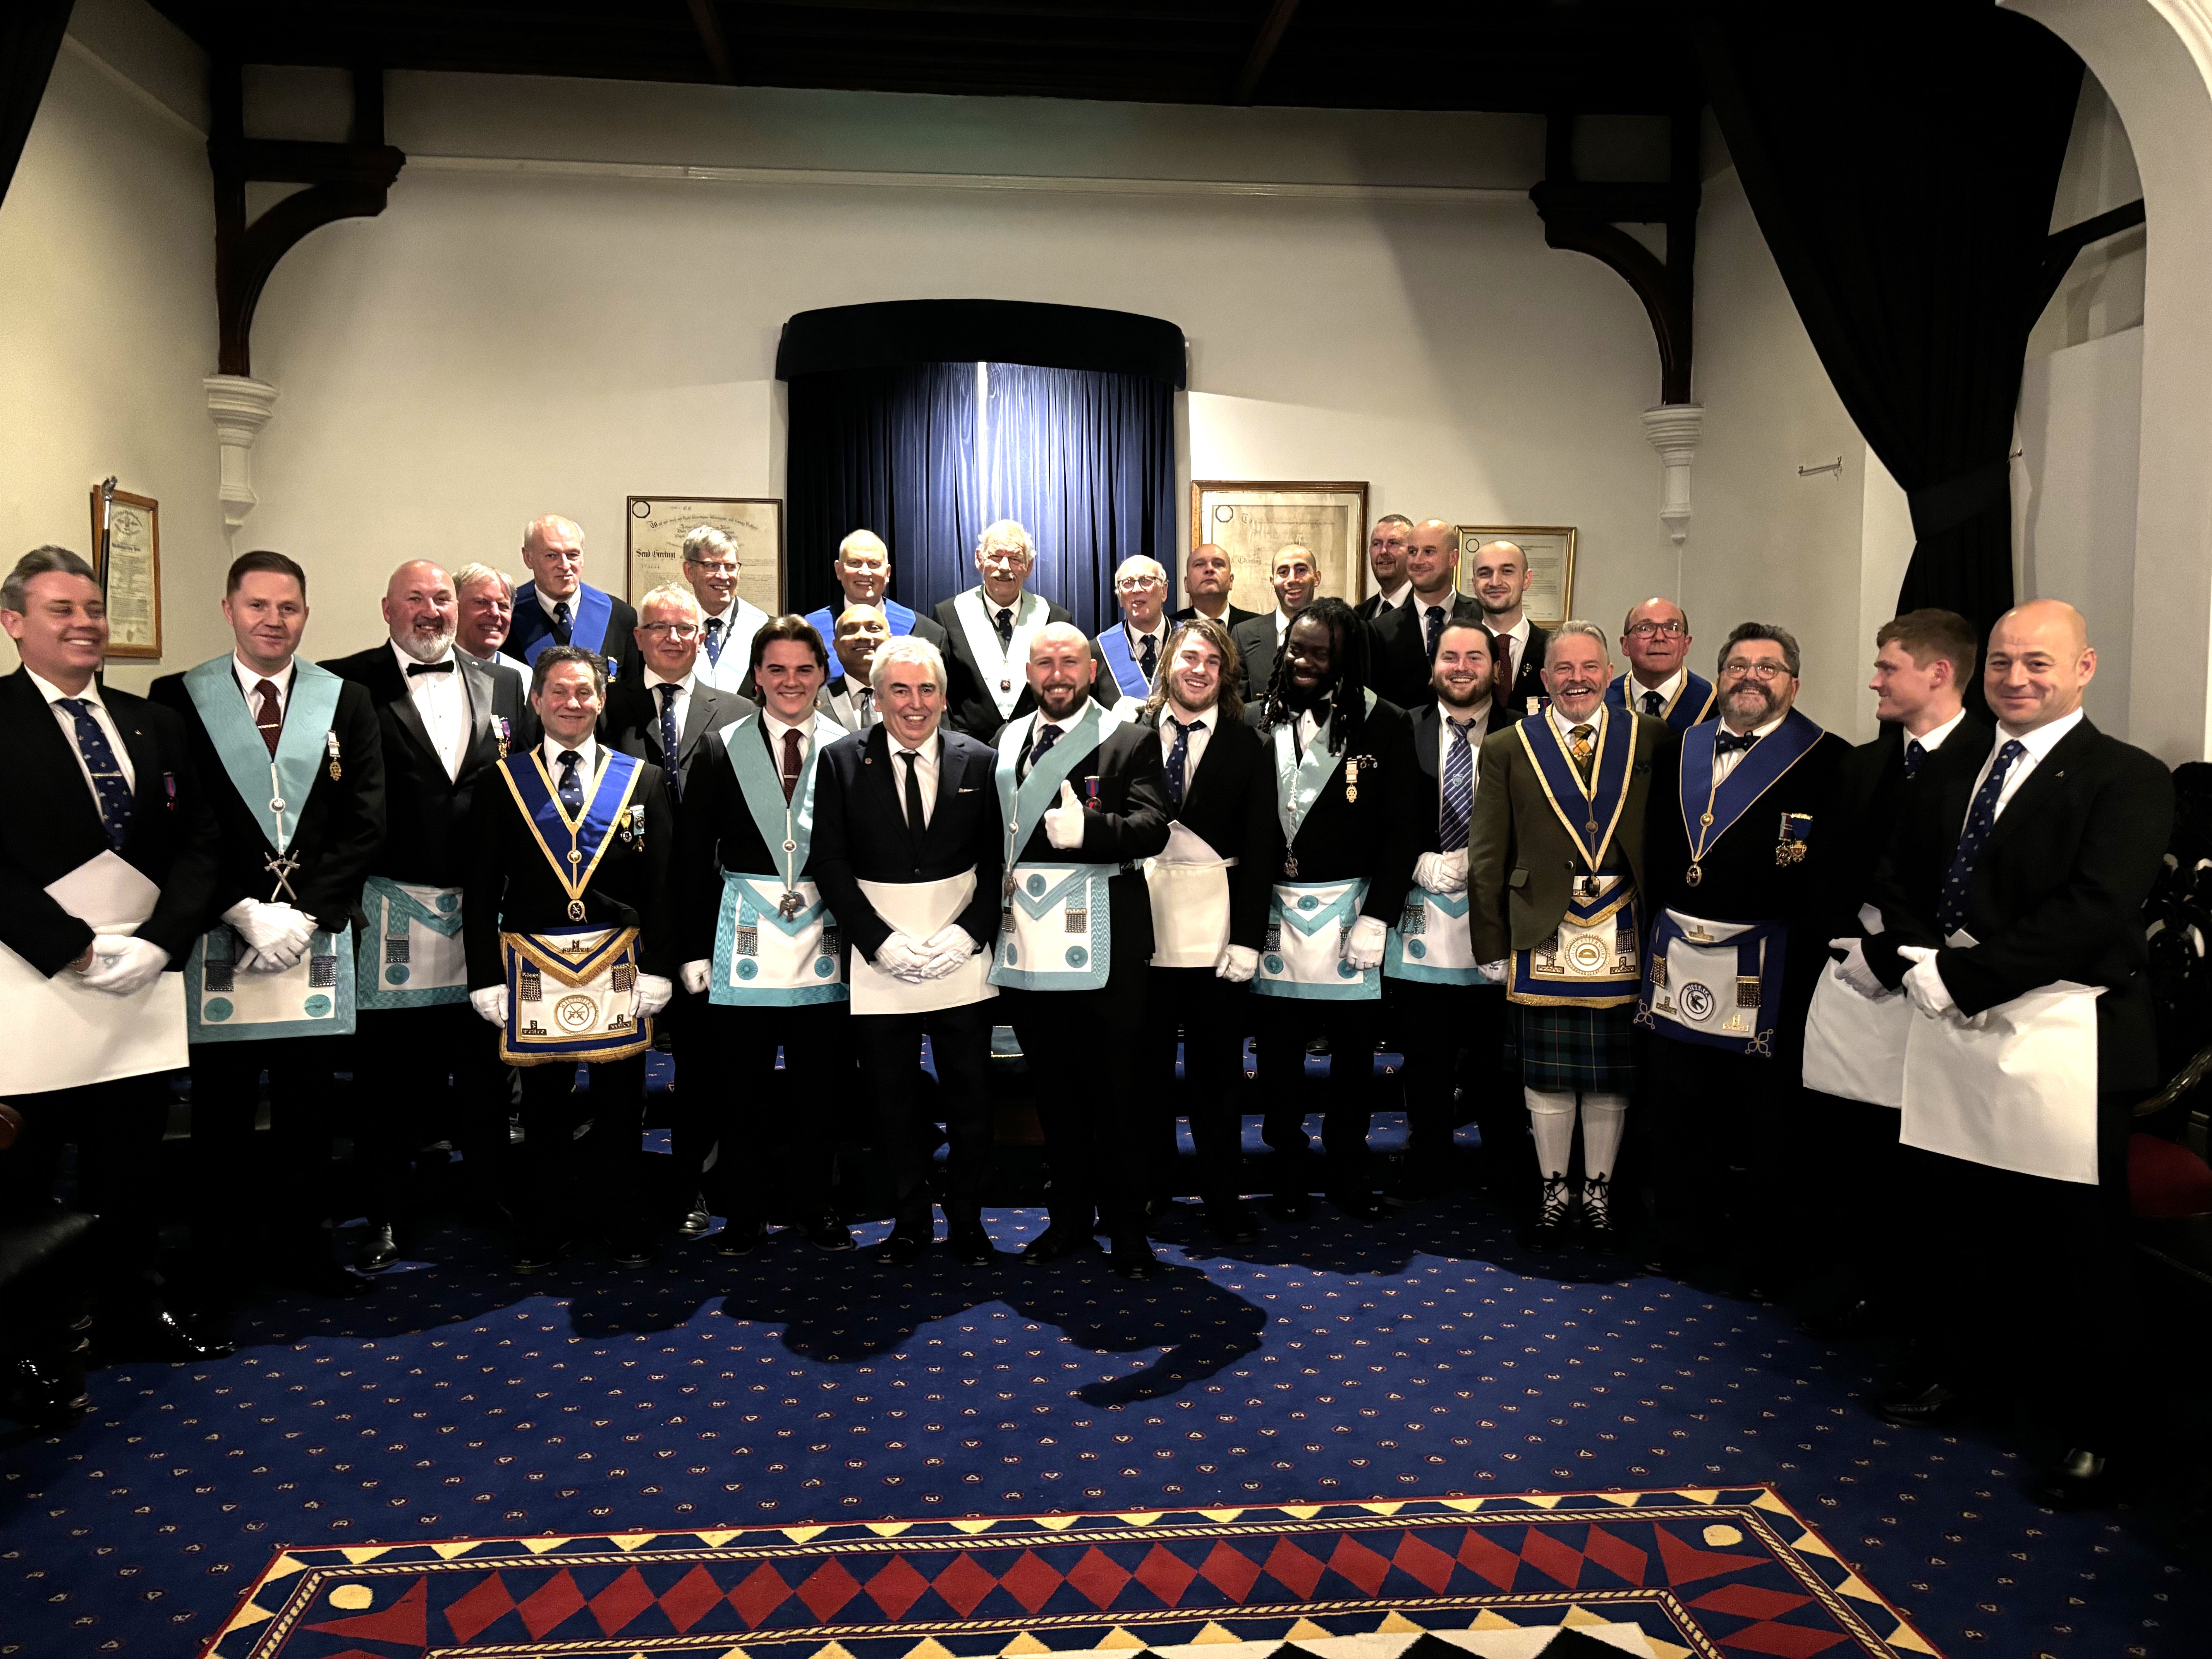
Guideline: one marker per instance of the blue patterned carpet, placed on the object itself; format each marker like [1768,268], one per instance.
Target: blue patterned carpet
[1422,1356]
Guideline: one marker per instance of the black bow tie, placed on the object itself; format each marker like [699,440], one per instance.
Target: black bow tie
[1726,742]
[415,668]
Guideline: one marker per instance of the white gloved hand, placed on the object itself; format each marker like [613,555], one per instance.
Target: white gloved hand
[1441,872]
[1237,964]
[1063,824]
[1495,972]
[123,964]
[276,959]
[1854,972]
[695,975]
[267,926]
[1923,984]
[947,950]
[490,1004]
[901,957]
[653,991]
[1363,946]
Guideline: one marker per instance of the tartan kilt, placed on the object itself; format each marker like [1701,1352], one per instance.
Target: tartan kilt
[1567,1049]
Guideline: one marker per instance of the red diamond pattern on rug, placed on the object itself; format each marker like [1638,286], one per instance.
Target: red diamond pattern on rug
[1616,1555]
[687,1599]
[759,1594]
[1353,1560]
[1784,1641]
[1478,1554]
[470,1615]
[1099,1577]
[1230,1571]
[1686,1564]
[827,1590]
[1422,1562]
[556,1599]
[623,1600]
[963,1584]
[1166,1574]
[1031,1581]
[1553,1558]
[896,1587]
[1749,1601]
[1292,1567]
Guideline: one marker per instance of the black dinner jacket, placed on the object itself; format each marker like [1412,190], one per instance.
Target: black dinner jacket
[1369,609]
[425,813]
[2056,893]
[1131,822]
[861,831]
[968,706]
[1231,806]
[1238,614]
[1255,640]
[511,886]
[1378,835]
[170,838]
[1529,683]
[1870,793]
[341,827]
[1401,648]
[633,723]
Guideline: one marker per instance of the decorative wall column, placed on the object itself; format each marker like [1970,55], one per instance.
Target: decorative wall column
[239,406]
[1672,429]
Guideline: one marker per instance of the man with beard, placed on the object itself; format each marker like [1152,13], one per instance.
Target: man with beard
[1075,931]
[988,628]
[850,699]
[1387,550]
[1348,800]
[863,573]
[1498,575]
[1296,578]
[1207,581]
[1209,889]
[1556,881]
[1734,850]
[444,721]
[1406,635]
[1656,635]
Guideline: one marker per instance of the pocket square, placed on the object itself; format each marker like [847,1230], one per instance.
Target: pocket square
[968,790]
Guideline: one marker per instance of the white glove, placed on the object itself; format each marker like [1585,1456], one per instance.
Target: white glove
[947,950]
[123,964]
[1441,872]
[1854,972]
[1063,824]
[1363,946]
[265,926]
[276,959]
[695,975]
[490,1004]
[1923,984]
[653,991]
[901,957]
[1495,972]
[1237,964]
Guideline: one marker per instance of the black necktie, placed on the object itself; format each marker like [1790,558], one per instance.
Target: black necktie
[1915,752]
[1179,755]
[671,746]
[916,825]
[1726,742]
[714,642]
[1981,818]
[1654,704]
[561,622]
[1436,629]
[1148,663]
[572,788]
[1047,736]
[1005,624]
[109,787]
[415,668]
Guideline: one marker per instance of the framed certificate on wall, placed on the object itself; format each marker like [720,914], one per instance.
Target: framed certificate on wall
[658,524]
[1252,522]
[134,574]
[1551,550]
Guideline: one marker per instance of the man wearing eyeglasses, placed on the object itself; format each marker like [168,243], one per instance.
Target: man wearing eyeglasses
[1132,653]
[863,570]
[1656,637]
[558,606]
[1744,820]
[727,622]
[988,628]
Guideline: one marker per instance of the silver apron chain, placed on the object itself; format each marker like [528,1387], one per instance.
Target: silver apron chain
[282,866]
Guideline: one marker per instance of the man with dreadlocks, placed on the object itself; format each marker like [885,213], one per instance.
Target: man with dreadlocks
[1348,795]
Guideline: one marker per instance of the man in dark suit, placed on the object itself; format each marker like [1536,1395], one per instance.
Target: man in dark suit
[300,806]
[910,809]
[1210,889]
[1388,546]
[863,572]
[558,606]
[1656,637]
[988,631]
[1406,634]
[1348,795]
[1498,576]
[569,844]
[1208,580]
[109,776]
[1296,578]
[1077,788]
[444,720]
[2017,867]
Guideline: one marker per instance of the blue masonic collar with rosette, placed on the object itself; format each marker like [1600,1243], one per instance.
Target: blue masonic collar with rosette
[1710,810]
[574,847]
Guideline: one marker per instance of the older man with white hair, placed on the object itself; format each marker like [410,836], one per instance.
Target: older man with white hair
[558,606]
[863,572]
[1132,653]
[727,619]
[988,628]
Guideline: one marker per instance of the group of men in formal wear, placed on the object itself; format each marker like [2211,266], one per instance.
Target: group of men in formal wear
[812,843]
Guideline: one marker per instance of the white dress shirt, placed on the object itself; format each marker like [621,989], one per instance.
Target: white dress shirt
[1935,739]
[53,695]
[856,698]
[1283,620]
[1157,636]
[2038,743]
[1668,690]
[1195,743]
[653,684]
[588,766]
[775,729]
[926,760]
[1724,764]
[1396,597]
[443,703]
[248,677]
[546,601]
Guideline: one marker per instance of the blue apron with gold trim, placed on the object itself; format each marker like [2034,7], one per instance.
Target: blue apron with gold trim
[776,943]
[1590,959]
[1055,929]
[1715,982]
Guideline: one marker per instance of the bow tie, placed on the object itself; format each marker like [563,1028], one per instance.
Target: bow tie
[1726,742]
[415,668]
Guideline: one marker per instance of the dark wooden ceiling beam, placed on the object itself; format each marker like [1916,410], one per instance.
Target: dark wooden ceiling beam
[1272,29]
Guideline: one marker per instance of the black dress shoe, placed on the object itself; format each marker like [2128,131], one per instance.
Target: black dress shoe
[1290,1207]
[697,1221]
[971,1245]
[42,1394]
[1357,1204]
[380,1251]
[2080,1480]
[907,1243]
[158,1336]
[537,1255]
[1919,1407]
[828,1232]
[1554,1206]
[629,1252]
[739,1237]
[1060,1239]
[1133,1258]
[1231,1223]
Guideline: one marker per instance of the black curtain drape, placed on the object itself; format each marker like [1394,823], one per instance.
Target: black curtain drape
[1901,162]
[30,36]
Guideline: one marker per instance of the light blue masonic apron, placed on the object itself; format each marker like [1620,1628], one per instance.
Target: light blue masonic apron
[1054,925]
[776,943]
[1308,921]
[411,955]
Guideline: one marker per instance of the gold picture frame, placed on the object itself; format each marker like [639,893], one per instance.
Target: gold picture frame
[657,525]
[1252,520]
[1551,550]
[134,585]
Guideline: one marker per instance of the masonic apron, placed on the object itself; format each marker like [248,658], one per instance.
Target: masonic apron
[1055,923]
[1590,960]
[1854,1045]
[411,955]
[1003,668]
[775,943]
[918,909]
[1309,922]
[224,1001]
[1188,885]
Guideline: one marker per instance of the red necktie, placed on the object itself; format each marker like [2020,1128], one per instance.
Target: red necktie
[790,761]
[269,715]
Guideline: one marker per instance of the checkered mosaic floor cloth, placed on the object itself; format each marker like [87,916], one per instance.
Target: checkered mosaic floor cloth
[1590,1576]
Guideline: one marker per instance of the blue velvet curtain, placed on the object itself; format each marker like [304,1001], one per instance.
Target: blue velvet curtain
[1085,459]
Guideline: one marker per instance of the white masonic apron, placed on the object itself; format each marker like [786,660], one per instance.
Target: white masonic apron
[919,909]
[1303,957]
[2014,1088]
[411,955]
[1854,1045]
[1055,924]
[1432,943]
[55,1033]
[1004,669]
[1714,982]
[1188,885]
[223,1001]
[776,943]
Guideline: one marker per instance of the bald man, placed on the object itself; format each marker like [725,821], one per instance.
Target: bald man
[2022,861]
[444,719]
[1207,582]
[1655,637]
[1498,575]
[558,606]
[1406,634]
